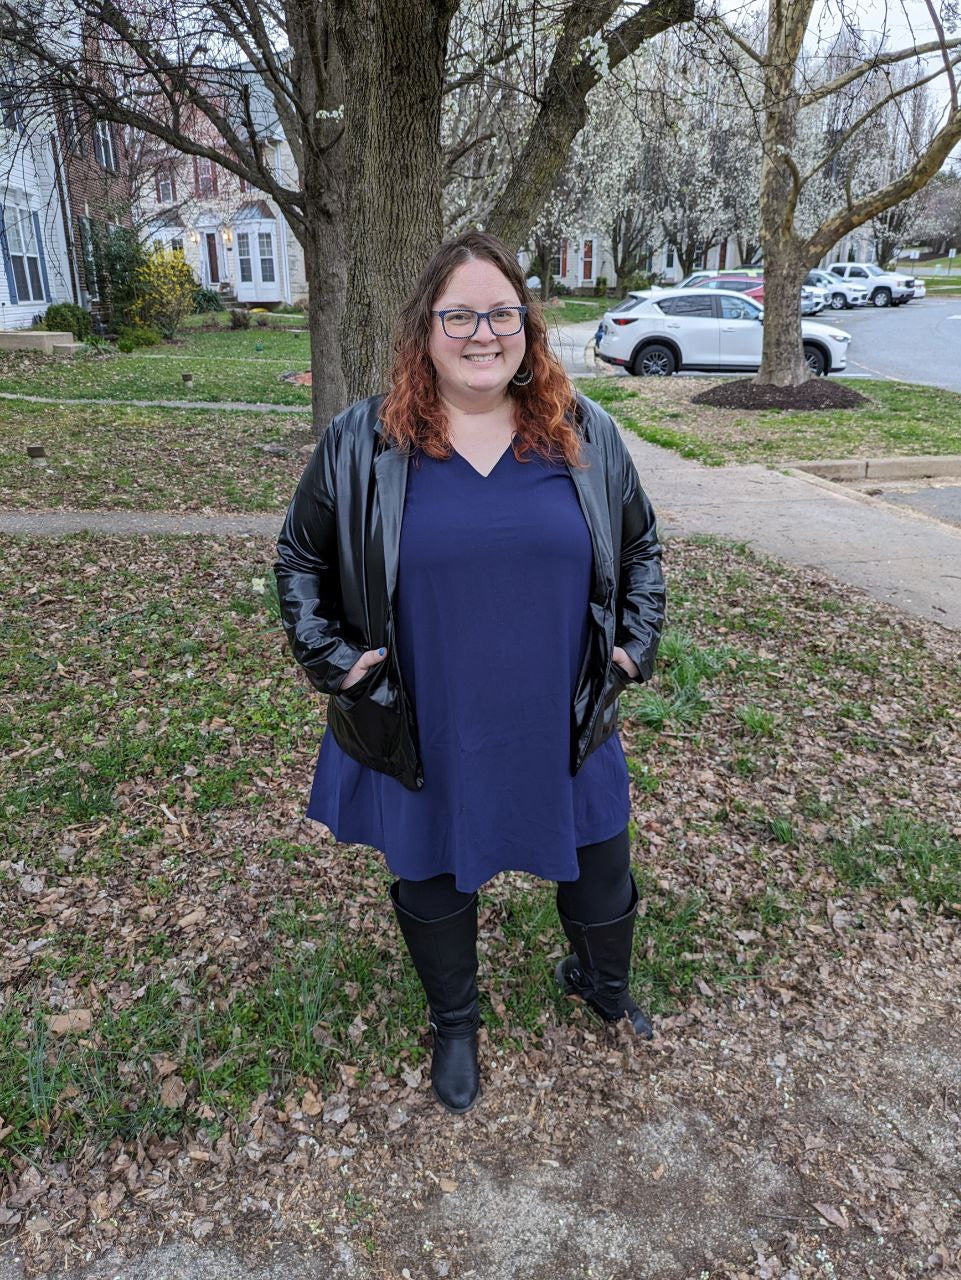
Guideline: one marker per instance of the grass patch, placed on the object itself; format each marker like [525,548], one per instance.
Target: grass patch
[222,368]
[901,857]
[902,418]
[125,458]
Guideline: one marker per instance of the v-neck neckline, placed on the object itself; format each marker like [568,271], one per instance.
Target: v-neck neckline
[480,474]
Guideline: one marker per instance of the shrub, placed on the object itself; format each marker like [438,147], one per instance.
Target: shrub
[239,318]
[118,257]
[165,291]
[637,280]
[600,286]
[137,335]
[263,322]
[206,300]
[63,316]
[560,289]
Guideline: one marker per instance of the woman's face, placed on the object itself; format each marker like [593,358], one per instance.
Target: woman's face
[475,370]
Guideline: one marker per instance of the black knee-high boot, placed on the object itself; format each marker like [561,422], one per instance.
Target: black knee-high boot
[444,953]
[598,971]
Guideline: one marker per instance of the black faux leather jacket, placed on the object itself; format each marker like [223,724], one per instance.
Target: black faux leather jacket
[337,579]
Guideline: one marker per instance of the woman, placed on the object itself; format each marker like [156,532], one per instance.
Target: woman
[470,569]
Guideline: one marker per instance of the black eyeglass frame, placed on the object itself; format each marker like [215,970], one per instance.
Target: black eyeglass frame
[478,317]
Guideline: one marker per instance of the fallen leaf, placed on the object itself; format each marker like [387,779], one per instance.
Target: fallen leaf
[173,1092]
[830,1214]
[72,1020]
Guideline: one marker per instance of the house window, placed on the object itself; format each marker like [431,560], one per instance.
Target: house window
[89,258]
[205,176]
[266,245]
[669,258]
[8,108]
[24,254]
[243,186]
[243,257]
[176,245]
[103,147]
[166,191]
[587,261]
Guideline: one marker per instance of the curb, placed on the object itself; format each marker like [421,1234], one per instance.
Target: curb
[841,490]
[918,467]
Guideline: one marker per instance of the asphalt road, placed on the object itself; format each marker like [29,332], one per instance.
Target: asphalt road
[919,342]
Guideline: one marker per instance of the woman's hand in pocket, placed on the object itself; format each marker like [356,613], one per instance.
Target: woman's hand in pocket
[627,665]
[372,658]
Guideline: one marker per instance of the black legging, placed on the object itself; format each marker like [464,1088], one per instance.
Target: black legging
[601,892]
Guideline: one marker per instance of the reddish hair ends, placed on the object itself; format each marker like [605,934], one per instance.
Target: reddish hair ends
[412,414]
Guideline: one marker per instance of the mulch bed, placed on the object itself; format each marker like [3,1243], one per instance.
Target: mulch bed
[816,393]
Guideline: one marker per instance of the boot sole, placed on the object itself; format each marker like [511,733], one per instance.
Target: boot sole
[456,1111]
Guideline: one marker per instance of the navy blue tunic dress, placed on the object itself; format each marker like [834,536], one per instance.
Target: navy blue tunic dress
[492,620]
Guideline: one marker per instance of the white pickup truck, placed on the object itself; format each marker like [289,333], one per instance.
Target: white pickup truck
[885,288]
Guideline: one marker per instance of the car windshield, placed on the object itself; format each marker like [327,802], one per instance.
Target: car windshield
[872,270]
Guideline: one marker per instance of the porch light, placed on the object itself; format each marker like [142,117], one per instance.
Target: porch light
[228,235]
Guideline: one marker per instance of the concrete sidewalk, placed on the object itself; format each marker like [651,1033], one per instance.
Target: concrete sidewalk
[898,557]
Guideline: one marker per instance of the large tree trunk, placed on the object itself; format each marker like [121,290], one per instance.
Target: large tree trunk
[782,360]
[325,259]
[395,51]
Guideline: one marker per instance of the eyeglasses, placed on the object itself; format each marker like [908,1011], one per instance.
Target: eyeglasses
[458,322]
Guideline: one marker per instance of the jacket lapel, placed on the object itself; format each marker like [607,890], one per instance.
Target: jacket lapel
[591,485]
[390,478]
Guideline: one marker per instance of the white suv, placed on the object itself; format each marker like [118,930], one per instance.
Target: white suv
[885,288]
[839,293]
[710,329]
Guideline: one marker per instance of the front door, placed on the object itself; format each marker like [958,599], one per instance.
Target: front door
[213,266]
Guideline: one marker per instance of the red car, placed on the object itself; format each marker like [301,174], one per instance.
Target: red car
[750,286]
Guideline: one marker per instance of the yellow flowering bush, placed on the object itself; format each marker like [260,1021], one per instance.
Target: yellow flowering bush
[165,290]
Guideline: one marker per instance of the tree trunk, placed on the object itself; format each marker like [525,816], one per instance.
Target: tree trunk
[395,50]
[325,259]
[785,264]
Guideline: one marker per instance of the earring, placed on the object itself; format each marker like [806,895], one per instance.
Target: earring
[524,381]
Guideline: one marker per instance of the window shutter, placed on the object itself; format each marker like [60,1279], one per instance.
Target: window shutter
[42,256]
[213,177]
[157,184]
[7,264]
[196,177]
[173,183]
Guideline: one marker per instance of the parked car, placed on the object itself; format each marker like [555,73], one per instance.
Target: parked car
[885,288]
[839,294]
[694,280]
[812,300]
[706,329]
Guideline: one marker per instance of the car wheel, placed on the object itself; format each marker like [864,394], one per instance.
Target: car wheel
[881,297]
[814,358]
[838,302]
[654,361]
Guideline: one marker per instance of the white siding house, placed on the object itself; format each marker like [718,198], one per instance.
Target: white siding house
[35,268]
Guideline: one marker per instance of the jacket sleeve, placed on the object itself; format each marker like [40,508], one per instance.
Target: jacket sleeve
[308,576]
[641,594]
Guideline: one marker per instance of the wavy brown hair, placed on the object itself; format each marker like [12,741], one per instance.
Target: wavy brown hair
[412,413]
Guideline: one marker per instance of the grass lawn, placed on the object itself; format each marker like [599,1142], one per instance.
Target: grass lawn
[224,365]
[572,310]
[129,458]
[185,943]
[221,320]
[902,418]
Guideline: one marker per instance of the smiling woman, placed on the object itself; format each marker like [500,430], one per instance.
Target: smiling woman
[470,570]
